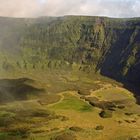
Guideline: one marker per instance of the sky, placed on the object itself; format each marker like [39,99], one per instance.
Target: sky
[37,8]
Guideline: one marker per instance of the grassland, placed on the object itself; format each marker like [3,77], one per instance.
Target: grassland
[62,112]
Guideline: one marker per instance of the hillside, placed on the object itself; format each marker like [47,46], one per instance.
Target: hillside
[67,78]
[105,45]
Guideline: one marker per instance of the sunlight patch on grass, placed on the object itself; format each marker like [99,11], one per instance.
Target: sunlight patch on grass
[73,103]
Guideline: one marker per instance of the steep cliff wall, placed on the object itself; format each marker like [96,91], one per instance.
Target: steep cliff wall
[109,46]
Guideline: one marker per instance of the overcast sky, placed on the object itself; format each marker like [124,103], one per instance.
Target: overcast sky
[36,8]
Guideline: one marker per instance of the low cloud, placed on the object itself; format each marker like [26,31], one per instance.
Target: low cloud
[36,8]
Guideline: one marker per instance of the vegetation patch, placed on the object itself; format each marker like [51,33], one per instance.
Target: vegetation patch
[75,128]
[65,136]
[129,114]
[49,99]
[19,130]
[121,106]
[6,118]
[3,136]
[99,127]
[72,102]
[100,104]
[41,113]
[106,114]
[83,92]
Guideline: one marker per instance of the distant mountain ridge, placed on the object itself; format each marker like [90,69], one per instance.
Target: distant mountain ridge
[107,45]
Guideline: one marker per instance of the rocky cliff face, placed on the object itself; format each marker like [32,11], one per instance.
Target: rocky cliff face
[109,46]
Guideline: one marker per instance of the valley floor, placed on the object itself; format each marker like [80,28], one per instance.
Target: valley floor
[73,106]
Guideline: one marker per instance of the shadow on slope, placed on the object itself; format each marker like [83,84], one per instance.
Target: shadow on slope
[17,89]
[132,86]
[135,90]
